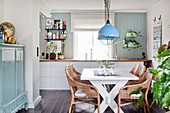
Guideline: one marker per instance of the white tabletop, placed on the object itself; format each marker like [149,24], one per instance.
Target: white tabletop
[88,74]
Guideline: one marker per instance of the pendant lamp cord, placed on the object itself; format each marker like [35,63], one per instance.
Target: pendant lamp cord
[107,9]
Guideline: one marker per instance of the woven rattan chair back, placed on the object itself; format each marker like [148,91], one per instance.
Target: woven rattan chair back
[140,71]
[75,84]
[135,68]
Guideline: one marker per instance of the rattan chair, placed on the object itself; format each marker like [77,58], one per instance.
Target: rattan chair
[140,71]
[139,74]
[135,68]
[90,92]
[77,76]
[124,92]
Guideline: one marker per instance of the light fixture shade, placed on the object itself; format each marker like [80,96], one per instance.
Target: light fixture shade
[108,32]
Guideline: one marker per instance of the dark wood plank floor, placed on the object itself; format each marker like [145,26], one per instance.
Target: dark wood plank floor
[57,101]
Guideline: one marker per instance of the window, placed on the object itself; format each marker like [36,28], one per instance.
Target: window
[87,46]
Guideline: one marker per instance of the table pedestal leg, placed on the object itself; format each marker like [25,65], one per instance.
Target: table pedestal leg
[108,98]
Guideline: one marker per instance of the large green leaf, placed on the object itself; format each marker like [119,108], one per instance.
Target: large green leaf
[136,91]
[167,64]
[164,54]
[167,78]
[163,77]
[164,63]
[140,100]
[154,72]
[156,90]
[163,90]
[166,100]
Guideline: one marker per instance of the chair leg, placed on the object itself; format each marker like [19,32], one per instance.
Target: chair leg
[69,105]
[144,107]
[118,104]
[69,108]
[147,105]
[73,108]
[98,104]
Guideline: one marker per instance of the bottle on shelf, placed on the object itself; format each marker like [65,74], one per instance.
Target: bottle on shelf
[65,34]
[49,35]
[61,24]
[53,35]
[57,35]
[64,24]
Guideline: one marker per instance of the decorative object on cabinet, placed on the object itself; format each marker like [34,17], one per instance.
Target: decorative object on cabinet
[53,49]
[12,80]
[60,55]
[108,32]
[130,40]
[8,30]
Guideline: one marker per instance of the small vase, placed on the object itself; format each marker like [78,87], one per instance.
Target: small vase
[60,57]
[104,70]
[52,56]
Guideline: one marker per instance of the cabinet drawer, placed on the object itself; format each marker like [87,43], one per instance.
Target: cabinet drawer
[59,64]
[59,83]
[58,71]
[44,83]
[128,64]
[44,64]
[45,71]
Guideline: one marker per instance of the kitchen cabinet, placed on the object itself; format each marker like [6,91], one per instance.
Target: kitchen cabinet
[52,74]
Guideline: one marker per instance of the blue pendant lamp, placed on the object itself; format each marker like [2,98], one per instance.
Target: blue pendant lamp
[108,32]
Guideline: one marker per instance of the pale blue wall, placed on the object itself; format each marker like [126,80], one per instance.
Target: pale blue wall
[135,22]
[69,41]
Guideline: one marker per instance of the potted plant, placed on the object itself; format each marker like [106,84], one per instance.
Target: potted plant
[60,55]
[161,85]
[130,40]
[53,49]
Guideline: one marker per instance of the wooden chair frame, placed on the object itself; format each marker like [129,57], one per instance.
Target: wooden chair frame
[85,87]
[130,88]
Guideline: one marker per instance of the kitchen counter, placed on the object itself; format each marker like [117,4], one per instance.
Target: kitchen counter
[52,72]
[112,60]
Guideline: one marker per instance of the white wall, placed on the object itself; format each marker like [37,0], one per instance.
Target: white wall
[163,9]
[19,13]
[24,15]
[1,11]
[38,7]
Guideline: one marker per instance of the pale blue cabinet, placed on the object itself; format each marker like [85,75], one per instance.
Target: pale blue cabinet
[12,93]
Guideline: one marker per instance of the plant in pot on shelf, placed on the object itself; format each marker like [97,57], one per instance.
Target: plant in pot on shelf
[161,85]
[53,49]
[130,40]
[60,55]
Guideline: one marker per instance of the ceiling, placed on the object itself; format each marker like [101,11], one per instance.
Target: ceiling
[69,5]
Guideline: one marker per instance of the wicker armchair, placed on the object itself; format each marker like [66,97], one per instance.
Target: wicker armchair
[135,68]
[140,71]
[125,91]
[77,76]
[90,92]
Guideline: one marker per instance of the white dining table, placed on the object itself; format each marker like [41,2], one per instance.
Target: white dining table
[99,81]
